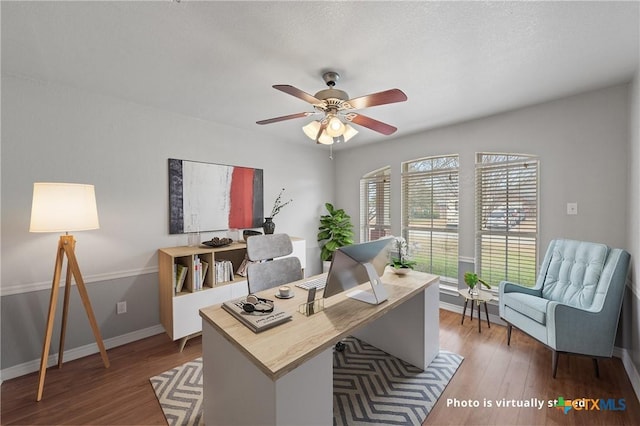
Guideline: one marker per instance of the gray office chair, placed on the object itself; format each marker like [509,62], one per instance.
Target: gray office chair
[270,272]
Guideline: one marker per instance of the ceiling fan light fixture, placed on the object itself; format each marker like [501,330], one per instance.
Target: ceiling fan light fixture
[336,104]
[335,127]
[349,132]
[311,130]
[325,139]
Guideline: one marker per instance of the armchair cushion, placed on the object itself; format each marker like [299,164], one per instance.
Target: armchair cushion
[528,305]
[574,272]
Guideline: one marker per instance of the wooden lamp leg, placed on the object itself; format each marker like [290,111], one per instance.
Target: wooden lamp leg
[66,246]
[77,276]
[53,301]
[65,312]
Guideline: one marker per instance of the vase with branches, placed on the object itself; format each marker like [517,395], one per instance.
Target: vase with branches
[269,226]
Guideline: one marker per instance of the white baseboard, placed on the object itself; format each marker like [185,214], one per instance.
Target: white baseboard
[629,368]
[80,352]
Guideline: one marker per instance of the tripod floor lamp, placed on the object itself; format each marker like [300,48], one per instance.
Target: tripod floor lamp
[64,207]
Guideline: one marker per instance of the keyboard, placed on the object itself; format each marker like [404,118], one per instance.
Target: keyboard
[318,282]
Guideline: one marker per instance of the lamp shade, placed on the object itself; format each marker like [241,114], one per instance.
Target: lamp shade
[311,130]
[335,127]
[63,207]
[349,132]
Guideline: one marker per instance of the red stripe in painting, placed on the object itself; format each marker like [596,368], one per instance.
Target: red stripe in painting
[241,198]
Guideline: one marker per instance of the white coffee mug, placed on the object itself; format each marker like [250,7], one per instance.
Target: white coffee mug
[284,291]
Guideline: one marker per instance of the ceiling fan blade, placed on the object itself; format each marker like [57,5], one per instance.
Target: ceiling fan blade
[381,98]
[285,117]
[294,91]
[370,123]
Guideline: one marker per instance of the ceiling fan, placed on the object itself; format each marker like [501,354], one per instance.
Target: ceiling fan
[336,105]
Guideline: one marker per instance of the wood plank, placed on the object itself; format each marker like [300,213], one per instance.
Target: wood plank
[523,370]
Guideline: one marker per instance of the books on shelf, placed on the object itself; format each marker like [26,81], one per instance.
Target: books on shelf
[190,278]
[197,274]
[203,274]
[223,271]
[256,321]
[190,274]
[180,275]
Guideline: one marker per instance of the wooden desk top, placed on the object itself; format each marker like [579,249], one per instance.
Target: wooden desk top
[281,349]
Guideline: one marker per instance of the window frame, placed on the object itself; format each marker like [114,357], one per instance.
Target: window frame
[381,179]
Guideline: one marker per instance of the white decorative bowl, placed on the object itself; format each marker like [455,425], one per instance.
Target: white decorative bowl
[400,271]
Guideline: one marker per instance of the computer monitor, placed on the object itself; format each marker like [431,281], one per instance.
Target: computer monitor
[357,264]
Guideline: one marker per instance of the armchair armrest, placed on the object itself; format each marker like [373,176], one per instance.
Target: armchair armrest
[510,287]
[580,331]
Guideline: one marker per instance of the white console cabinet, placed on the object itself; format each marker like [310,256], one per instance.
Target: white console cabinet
[179,311]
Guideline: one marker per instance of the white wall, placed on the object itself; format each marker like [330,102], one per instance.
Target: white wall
[53,133]
[630,328]
[582,143]
[56,133]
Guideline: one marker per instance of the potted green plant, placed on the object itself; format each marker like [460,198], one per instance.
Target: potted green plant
[402,264]
[335,231]
[472,279]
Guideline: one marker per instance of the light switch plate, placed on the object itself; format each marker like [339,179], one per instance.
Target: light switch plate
[572,208]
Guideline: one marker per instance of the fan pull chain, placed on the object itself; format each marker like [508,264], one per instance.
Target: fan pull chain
[330,152]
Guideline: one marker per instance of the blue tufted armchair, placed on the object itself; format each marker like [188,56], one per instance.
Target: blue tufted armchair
[575,304]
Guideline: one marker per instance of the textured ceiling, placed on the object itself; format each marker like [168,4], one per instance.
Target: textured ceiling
[218,60]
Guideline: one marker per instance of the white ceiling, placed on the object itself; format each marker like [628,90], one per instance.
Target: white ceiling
[218,60]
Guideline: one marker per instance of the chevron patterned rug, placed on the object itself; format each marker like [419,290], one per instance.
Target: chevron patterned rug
[369,387]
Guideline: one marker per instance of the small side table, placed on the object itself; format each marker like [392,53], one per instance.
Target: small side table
[481,298]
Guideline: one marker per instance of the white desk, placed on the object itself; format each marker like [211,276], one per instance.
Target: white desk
[283,376]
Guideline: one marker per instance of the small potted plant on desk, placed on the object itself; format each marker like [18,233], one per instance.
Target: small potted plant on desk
[335,231]
[472,280]
[401,264]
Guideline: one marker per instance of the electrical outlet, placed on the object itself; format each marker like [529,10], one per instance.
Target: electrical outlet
[572,208]
[121,308]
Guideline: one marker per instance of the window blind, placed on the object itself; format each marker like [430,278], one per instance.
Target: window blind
[430,188]
[507,217]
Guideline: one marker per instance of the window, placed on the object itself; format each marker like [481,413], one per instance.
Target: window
[375,217]
[506,217]
[430,214]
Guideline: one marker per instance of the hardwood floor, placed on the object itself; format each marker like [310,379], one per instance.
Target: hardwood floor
[84,392]
[493,371]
